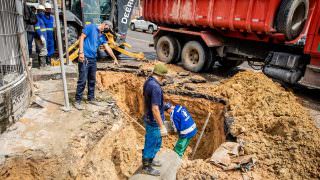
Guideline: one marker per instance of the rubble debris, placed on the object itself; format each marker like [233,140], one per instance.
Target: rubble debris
[229,156]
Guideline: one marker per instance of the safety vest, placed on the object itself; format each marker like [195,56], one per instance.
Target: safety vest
[40,27]
[182,122]
[49,23]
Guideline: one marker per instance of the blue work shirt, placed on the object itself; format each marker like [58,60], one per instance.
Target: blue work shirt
[40,27]
[92,41]
[153,95]
[182,122]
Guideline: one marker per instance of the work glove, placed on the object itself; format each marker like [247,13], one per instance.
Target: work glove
[163,131]
[43,40]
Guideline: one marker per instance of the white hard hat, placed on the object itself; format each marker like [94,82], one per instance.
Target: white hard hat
[48,6]
[41,7]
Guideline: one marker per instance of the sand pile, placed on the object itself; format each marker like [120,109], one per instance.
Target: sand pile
[274,126]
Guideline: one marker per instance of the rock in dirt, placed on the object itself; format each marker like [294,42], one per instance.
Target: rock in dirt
[184,73]
[197,79]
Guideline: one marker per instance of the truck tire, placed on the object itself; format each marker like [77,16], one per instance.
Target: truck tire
[168,49]
[150,29]
[194,56]
[211,59]
[291,17]
[229,64]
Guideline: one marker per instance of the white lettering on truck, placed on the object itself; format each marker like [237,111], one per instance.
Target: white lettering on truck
[127,11]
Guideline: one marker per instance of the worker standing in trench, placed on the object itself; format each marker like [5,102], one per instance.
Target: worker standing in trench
[48,20]
[182,123]
[153,118]
[90,40]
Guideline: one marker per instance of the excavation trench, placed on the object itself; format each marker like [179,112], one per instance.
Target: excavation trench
[109,146]
[127,89]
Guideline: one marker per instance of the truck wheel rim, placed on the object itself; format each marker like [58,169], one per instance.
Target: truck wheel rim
[193,56]
[165,49]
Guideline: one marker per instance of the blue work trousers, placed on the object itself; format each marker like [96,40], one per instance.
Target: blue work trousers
[152,142]
[87,72]
[30,36]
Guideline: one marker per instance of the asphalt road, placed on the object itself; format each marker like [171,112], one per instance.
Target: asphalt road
[140,43]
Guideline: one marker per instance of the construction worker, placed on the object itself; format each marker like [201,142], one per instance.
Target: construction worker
[48,20]
[153,118]
[41,36]
[182,123]
[30,27]
[90,40]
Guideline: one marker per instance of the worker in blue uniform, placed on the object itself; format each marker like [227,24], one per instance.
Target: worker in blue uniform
[90,40]
[182,123]
[48,20]
[41,36]
[153,118]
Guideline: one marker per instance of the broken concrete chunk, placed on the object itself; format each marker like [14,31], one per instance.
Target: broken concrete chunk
[197,79]
[189,87]
[184,73]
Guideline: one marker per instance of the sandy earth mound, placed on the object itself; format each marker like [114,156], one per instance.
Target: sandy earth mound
[273,125]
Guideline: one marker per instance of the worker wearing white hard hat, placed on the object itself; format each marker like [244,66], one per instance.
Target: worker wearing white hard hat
[41,36]
[48,20]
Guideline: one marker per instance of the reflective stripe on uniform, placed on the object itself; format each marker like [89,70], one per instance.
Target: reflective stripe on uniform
[179,109]
[42,30]
[49,29]
[37,27]
[186,119]
[189,130]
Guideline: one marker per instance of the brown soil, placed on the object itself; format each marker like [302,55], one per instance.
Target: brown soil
[268,118]
[273,125]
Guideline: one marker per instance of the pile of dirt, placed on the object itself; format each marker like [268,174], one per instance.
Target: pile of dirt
[273,124]
[270,120]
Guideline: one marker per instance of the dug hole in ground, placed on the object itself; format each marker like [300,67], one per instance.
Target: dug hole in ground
[269,119]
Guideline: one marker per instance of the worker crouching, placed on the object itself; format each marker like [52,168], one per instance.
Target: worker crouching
[182,123]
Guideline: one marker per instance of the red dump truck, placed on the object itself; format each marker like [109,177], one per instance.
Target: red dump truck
[283,36]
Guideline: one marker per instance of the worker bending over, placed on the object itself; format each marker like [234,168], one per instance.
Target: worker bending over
[182,123]
[90,40]
[48,20]
[41,36]
[153,118]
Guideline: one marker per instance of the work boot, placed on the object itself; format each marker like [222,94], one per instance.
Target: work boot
[42,61]
[78,106]
[148,169]
[155,163]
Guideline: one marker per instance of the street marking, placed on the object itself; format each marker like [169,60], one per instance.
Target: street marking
[139,39]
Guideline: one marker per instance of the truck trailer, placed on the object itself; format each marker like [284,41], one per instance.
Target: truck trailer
[281,36]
